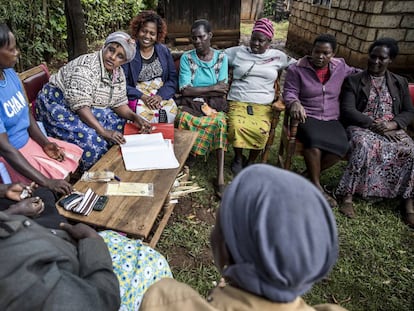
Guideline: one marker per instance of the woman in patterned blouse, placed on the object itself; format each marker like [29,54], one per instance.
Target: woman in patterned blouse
[85,102]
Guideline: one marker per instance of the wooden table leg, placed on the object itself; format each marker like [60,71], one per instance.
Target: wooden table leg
[168,209]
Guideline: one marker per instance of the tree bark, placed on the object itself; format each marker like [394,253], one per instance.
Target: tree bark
[75,22]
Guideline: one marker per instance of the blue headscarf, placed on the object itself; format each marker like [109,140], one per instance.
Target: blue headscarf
[280,232]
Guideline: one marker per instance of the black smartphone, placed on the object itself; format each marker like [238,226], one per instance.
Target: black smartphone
[100,203]
[250,110]
[70,200]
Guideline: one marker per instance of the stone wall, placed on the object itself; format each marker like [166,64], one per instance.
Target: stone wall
[355,24]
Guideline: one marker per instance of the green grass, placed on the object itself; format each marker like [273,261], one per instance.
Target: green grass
[280,29]
[375,269]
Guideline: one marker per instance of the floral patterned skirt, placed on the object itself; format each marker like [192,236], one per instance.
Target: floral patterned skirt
[378,167]
[62,123]
[136,265]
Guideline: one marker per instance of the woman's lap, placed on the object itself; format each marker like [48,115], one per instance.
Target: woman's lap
[378,167]
[60,122]
[249,131]
[137,266]
[329,136]
[212,131]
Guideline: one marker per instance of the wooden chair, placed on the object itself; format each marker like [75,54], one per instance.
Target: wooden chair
[277,107]
[410,128]
[33,81]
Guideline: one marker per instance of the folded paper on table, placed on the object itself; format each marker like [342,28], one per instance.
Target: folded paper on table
[166,129]
[130,189]
[148,152]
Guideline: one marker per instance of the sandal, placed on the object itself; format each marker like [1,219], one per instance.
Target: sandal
[332,202]
[347,208]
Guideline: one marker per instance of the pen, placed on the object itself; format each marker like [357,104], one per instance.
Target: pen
[117,178]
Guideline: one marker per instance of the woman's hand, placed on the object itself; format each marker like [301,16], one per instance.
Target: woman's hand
[152,102]
[221,87]
[54,151]
[381,127]
[16,191]
[113,136]
[298,112]
[143,125]
[31,207]
[58,185]
[393,135]
[79,231]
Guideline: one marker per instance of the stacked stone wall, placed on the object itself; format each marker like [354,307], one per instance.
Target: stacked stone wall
[355,24]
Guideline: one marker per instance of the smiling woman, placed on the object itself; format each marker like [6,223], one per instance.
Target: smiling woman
[151,76]
[85,102]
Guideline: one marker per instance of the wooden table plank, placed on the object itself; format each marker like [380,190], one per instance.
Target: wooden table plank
[133,215]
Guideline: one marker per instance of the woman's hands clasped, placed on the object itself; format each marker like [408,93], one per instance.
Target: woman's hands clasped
[388,129]
[152,102]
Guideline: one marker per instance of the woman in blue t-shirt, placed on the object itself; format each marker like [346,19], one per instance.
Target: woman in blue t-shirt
[27,153]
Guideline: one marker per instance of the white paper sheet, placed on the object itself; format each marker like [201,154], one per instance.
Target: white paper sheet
[148,152]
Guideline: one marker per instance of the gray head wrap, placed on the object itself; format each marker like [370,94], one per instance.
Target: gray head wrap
[126,41]
[280,232]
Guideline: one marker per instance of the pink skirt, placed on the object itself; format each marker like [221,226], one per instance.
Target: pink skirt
[49,167]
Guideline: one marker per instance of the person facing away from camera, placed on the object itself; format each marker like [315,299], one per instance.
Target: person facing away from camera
[270,243]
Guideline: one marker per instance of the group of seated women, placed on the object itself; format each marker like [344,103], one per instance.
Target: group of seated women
[365,119]
[87,102]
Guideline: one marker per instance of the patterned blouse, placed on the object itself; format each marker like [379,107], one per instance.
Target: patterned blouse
[85,82]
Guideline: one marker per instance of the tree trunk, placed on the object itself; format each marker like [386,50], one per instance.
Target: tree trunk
[75,21]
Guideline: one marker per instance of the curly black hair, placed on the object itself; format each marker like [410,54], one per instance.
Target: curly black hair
[326,38]
[148,16]
[390,43]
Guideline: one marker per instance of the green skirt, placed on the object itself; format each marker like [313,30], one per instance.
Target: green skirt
[249,131]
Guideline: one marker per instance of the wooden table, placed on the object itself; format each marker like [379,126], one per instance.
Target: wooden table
[135,215]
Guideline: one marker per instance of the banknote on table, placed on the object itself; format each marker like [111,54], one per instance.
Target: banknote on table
[130,189]
[99,176]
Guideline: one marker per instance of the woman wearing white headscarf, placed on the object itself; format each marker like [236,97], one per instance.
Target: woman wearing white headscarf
[270,243]
[85,102]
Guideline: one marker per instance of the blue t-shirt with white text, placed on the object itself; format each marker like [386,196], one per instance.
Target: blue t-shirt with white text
[14,110]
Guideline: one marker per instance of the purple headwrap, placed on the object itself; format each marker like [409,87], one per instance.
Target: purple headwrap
[280,232]
[265,26]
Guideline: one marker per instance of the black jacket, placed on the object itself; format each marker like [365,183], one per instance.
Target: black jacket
[354,99]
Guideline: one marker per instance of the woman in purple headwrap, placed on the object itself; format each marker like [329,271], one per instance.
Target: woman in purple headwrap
[255,70]
[270,243]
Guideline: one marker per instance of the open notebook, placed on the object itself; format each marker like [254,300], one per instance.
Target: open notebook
[148,152]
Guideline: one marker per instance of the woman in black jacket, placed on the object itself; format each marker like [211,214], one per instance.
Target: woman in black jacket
[376,106]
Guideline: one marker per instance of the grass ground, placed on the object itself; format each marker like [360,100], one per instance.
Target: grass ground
[375,269]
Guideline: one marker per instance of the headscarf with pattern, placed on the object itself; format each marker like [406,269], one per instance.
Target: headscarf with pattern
[265,26]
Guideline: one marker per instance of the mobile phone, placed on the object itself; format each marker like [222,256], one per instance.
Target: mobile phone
[100,203]
[162,116]
[250,110]
[70,201]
